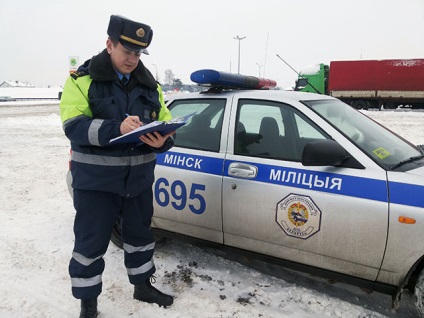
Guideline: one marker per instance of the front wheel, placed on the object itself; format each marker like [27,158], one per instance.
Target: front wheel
[116,237]
[419,295]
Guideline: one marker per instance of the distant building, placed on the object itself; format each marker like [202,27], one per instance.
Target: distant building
[15,84]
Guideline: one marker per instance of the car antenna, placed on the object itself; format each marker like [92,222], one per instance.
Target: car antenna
[298,74]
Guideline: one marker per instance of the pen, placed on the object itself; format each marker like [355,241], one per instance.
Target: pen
[136,121]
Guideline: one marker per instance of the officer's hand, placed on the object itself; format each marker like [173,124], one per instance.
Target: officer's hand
[155,139]
[129,124]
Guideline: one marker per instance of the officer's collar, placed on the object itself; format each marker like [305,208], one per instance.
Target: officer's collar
[101,69]
[120,75]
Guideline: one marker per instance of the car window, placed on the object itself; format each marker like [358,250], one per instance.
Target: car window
[381,145]
[203,129]
[305,129]
[272,130]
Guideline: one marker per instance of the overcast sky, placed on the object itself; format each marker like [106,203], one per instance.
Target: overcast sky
[37,37]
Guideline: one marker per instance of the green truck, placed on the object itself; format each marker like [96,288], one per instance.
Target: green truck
[313,79]
[367,84]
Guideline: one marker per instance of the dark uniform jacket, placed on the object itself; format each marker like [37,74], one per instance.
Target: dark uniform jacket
[93,104]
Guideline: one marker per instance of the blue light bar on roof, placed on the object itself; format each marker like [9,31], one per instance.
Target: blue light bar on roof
[229,80]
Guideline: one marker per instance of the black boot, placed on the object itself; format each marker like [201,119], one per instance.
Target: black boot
[89,308]
[147,293]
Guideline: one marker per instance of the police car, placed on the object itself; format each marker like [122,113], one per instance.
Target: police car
[294,176]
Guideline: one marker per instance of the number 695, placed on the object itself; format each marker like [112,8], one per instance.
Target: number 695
[176,194]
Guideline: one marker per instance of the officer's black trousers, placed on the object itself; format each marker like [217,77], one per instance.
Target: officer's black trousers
[96,214]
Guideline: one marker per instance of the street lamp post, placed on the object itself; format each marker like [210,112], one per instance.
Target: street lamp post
[156,76]
[259,68]
[239,39]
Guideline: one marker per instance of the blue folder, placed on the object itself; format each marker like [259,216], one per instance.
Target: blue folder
[162,127]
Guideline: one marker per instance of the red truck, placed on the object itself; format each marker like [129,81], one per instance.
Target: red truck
[367,84]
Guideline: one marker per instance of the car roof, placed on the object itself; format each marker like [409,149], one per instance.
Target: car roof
[258,94]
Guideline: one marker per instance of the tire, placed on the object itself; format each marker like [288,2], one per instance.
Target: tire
[116,236]
[360,104]
[417,106]
[367,105]
[390,105]
[373,104]
[419,295]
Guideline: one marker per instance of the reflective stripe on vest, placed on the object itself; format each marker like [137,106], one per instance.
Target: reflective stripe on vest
[112,161]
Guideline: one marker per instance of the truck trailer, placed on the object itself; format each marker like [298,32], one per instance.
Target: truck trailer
[367,84]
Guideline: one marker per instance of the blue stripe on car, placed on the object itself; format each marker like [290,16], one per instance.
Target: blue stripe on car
[365,188]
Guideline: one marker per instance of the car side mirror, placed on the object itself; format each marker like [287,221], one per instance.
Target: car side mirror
[324,152]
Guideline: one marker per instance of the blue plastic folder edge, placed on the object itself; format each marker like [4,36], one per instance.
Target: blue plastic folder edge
[162,127]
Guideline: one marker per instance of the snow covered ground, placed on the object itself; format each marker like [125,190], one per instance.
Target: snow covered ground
[30,92]
[36,240]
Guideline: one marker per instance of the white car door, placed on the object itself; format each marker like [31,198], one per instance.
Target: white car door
[188,182]
[330,217]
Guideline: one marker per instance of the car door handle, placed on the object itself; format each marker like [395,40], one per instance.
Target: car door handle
[242,170]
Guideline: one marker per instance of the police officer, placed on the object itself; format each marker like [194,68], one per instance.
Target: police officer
[112,94]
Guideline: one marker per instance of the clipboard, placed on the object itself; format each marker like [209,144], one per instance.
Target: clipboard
[162,127]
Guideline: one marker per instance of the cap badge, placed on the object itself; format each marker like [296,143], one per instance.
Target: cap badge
[140,32]
[153,116]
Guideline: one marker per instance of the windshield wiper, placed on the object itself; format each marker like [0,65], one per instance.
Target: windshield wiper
[411,159]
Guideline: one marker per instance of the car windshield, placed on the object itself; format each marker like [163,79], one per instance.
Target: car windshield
[386,148]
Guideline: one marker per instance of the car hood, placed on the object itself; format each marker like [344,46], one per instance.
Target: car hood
[419,172]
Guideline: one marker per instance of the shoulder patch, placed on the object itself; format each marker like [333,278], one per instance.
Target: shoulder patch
[77,74]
